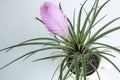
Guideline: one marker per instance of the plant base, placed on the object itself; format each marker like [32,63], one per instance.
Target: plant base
[92,63]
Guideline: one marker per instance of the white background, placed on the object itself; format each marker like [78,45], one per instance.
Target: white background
[17,24]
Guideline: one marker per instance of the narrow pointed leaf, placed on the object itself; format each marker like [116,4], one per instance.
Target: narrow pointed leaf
[55,72]
[50,57]
[79,22]
[94,18]
[96,71]
[84,66]
[99,21]
[88,30]
[105,33]
[32,52]
[102,28]
[76,66]
[108,46]
[111,62]
[39,20]
[62,69]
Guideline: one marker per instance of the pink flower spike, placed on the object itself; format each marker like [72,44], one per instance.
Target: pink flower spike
[54,19]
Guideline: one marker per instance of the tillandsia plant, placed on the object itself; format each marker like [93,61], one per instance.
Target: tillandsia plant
[80,48]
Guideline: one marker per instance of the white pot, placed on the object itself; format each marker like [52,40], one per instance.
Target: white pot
[102,67]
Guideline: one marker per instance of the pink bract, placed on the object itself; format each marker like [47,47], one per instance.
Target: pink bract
[54,19]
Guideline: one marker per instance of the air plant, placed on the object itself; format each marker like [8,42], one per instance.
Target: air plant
[80,48]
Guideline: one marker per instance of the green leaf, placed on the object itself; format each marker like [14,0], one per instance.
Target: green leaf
[71,32]
[74,21]
[32,52]
[87,19]
[111,62]
[94,9]
[95,70]
[35,39]
[39,20]
[94,18]
[85,12]
[105,53]
[60,7]
[55,72]
[103,34]
[44,39]
[56,56]
[102,28]
[76,66]
[98,54]
[68,71]
[108,54]
[62,69]
[98,11]
[84,66]
[101,8]
[26,44]
[13,61]
[79,21]
[96,48]
[99,21]
[108,46]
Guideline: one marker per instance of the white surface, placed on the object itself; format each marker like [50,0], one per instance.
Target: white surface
[17,24]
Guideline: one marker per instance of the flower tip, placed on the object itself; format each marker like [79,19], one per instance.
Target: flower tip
[45,6]
[54,19]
